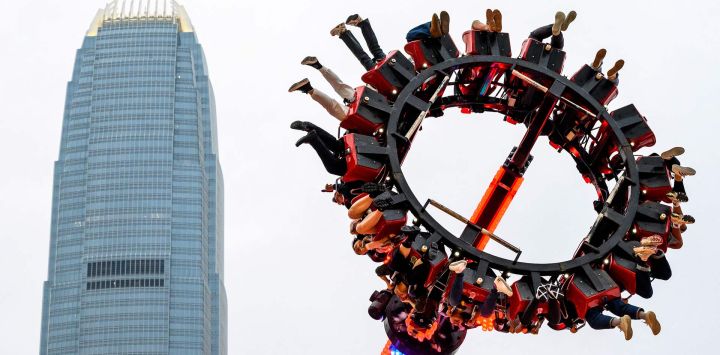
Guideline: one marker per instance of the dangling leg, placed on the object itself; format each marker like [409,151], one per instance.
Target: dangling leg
[620,308]
[368,35]
[456,290]
[597,320]
[334,144]
[352,43]
[333,164]
[333,107]
[345,91]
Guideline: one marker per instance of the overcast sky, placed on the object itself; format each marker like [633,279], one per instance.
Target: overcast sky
[294,285]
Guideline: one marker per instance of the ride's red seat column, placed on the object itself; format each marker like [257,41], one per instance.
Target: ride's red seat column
[635,129]
[391,75]
[599,87]
[487,43]
[428,52]
[368,112]
[584,294]
[363,155]
[654,178]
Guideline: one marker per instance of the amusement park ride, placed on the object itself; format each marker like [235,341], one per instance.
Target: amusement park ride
[633,192]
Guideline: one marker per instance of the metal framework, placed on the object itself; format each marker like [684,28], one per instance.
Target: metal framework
[396,140]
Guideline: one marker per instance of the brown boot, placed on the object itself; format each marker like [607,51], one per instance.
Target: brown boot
[568,20]
[444,22]
[557,26]
[652,322]
[626,327]
[599,56]
[497,18]
[435,31]
[612,73]
[490,20]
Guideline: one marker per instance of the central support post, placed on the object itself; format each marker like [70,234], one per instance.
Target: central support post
[509,177]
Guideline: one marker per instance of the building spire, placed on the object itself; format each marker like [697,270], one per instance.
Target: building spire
[129,10]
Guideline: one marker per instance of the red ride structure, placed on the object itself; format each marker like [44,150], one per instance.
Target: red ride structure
[528,90]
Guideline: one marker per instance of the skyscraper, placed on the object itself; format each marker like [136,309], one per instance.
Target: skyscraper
[136,242]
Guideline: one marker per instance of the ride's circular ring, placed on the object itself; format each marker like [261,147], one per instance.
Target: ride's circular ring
[623,219]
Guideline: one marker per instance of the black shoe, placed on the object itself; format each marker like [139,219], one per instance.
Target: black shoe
[306,138]
[353,20]
[373,189]
[302,85]
[311,61]
[303,126]
[675,196]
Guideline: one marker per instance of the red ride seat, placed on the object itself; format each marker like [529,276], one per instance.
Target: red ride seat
[361,156]
[428,52]
[583,295]
[520,300]
[537,52]
[436,265]
[636,130]
[652,218]
[487,43]
[623,272]
[368,112]
[391,75]
[654,178]
[390,223]
[602,89]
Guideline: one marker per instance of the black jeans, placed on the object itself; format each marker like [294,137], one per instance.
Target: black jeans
[369,35]
[329,149]
[678,186]
[544,32]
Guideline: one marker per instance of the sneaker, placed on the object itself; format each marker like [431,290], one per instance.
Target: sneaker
[557,26]
[502,286]
[599,56]
[338,30]
[644,252]
[612,73]
[311,61]
[672,152]
[444,22]
[354,20]
[302,85]
[497,19]
[626,327]
[435,31]
[653,323]
[651,241]
[568,20]
[676,197]
[489,19]
[458,266]
[306,138]
[682,218]
[683,170]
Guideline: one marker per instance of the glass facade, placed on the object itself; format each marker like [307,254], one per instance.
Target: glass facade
[136,247]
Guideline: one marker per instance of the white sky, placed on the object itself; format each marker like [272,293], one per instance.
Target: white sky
[294,285]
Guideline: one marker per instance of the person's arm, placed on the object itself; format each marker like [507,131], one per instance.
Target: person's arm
[359,207]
